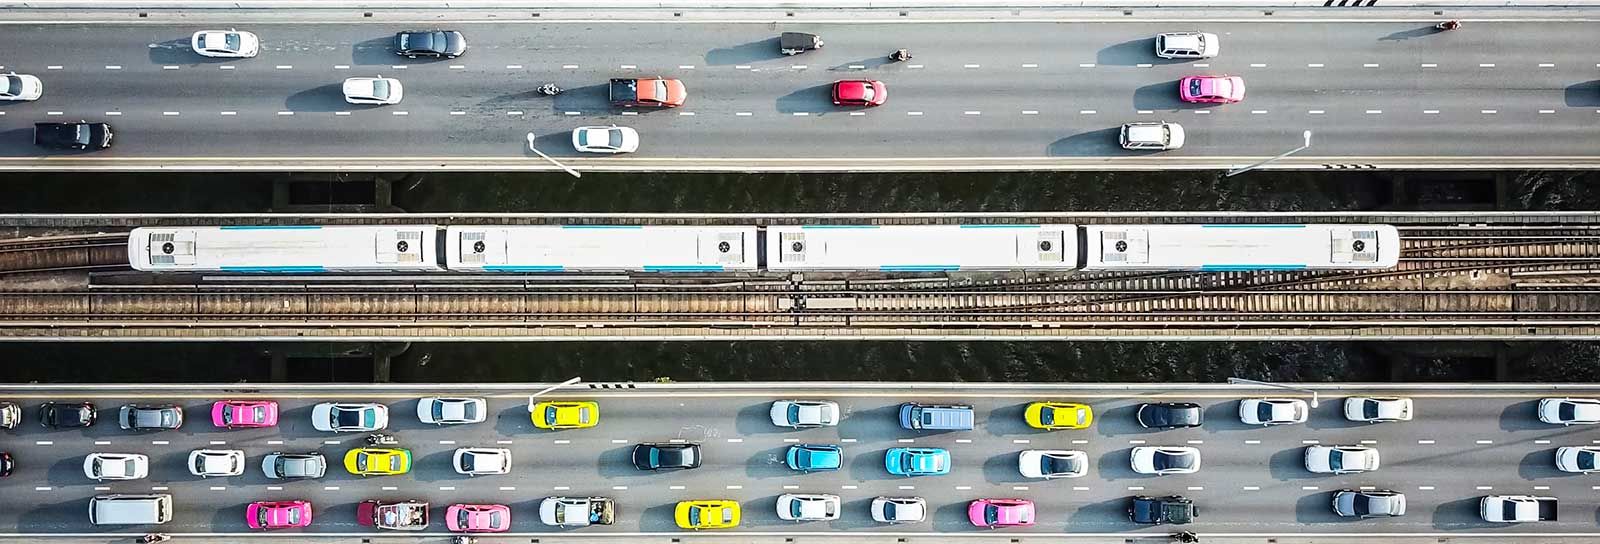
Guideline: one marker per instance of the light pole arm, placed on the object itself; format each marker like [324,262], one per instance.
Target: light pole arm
[1237,171]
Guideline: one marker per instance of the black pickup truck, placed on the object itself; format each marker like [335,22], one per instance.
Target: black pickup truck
[79,135]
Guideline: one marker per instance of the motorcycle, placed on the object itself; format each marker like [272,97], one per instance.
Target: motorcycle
[550,89]
[154,537]
[1448,25]
[464,539]
[382,440]
[900,55]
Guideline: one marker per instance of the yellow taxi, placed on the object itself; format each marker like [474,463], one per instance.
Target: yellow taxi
[1051,415]
[566,415]
[377,461]
[707,514]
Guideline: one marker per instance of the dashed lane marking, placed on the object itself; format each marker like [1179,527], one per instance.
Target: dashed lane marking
[458,67]
[906,440]
[1087,112]
[1143,65]
[219,488]
[857,113]
[914,113]
[269,442]
[329,442]
[1258,65]
[1197,488]
[103,442]
[53,67]
[848,487]
[1308,488]
[1030,112]
[169,67]
[562,442]
[735,440]
[1029,65]
[1314,65]
[1425,487]
[971,66]
[284,67]
[1257,112]
[915,67]
[102,488]
[390,488]
[734,487]
[1252,488]
[1485,442]
[400,113]
[330,488]
[113,67]
[508,488]
[519,67]
[325,441]
[170,113]
[1368,487]
[619,488]
[799,66]
[791,440]
[52,113]
[1486,65]
[848,440]
[1541,488]
[1019,488]
[1086,65]
[679,487]
[1374,112]
[1311,441]
[1488,112]
[1080,488]
[858,67]
[1316,112]
[1370,65]
[618,441]
[738,67]
[398,66]
[562,488]
[1145,112]
[1541,441]
[341,67]
[42,488]
[1428,112]
[685,66]
[274,488]
[447,488]
[458,113]
[572,113]
[963,440]
[1484,487]
[1547,111]
[1202,65]
[963,488]
[744,114]
[1203,112]
[1135,442]
[44,442]
[341,113]
[1080,441]
[1021,441]
[972,113]
[907,487]
[1135,488]
[158,442]
[1196,441]
[158,488]
[1547,65]
[569,67]
[113,113]
[791,487]
[630,113]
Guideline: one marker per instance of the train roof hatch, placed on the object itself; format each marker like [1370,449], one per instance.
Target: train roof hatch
[399,246]
[794,247]
[1049,245]
[1355,245]
[171,247]
[1125,246]
[482,246]
[728,247]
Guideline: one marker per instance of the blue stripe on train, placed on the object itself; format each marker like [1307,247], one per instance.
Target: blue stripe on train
[273,269]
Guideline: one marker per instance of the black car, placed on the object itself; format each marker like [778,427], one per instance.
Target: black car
[79,135]
[1168,415]
[58,415]
[666,456]
[5,464]
[133,417]
[430,43]
[1175,509]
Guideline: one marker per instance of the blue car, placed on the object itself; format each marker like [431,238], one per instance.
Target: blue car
[815,457]
[917,461]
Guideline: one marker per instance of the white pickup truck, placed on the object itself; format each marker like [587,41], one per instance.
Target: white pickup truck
[1517,508]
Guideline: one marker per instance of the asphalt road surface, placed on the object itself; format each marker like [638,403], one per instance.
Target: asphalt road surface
[1462,445]
[1029,91]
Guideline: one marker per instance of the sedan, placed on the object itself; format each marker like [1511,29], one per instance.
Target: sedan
[917,461]
[1273,411]
[1377,409]
[377,461]
[442,411]
[814,457]
[801,414]
[10,415]
[666,456]
[808,507]
[133,417]
[605,139]
[1211,89]
[233,414]
[1341,459]
[1369,504]
[208,463]
[1000,513]
[1176,509]
[859,92]
[61,415]
[116,466]
[373,90]
[481,461]
[1051,464]
[1058,415]
[899,509]
[277,514]
[15,86]
[566,415]
[478,518]
[78,135]
[1569,411]
[6,464]
[349,417]
[430,43]
[1163,460]
[1584,459]
[289,466]
[225,44]
[706,514]
[1168,415]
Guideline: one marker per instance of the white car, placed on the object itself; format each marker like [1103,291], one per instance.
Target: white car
[373,90]
[1569,411]
[808,507]
[1341,459]
[799,414]
[452,411]
[1164,460]
[1273,411]
[1051,464]
[1187,45]
[577,511]
[116,466]
[15,86]
[481,461]
[225,44]
[899,509]
[1584,459]
[607,139]
[1153,135]
[343,417]
[1377,409]
[208,463]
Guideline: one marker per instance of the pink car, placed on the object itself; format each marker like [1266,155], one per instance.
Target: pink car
[1211,89]
[277,514]
[1000,512]
[478,518]
[230,414]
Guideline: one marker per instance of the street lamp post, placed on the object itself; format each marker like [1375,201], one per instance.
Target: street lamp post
[1237,171]
[570,381]
[531,138]
[1242,381]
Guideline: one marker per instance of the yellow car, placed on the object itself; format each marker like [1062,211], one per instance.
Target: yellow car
[566,415]
[377,461]
[707,514]
[1058,415]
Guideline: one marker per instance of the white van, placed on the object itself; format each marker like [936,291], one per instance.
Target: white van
[130,509]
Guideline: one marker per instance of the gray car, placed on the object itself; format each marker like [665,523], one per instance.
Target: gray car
[288,466]
[1369,504]
[133,417]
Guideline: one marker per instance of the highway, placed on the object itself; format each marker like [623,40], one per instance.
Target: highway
[1031,95]
[1465,443]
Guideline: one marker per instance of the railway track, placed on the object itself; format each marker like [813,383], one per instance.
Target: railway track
[64,253]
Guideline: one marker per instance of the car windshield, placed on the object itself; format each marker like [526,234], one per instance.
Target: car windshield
[12,85]
[794,413]
[1336,460]
[200,463]
[469,460]
[1587,459]
[795,507]
[1194,87]
[991,514]
[293,516]
[380,89]
[1369,409]
[361,461]
[1164,461]
[1047,416]
[1058,465]
[661,90]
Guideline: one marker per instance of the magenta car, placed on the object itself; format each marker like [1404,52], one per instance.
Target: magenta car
[277,514]
[230,414]
[1000,512]
[478,518]
[1211,89]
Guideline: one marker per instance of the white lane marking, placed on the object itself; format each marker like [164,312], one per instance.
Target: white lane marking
[686,113]
[102,488]
[514,112]
[680,488]
[113,67]
[1197,488]
[1316,112]
[458,67]
[1202,65]
[744,114]
[791,440]
[1370,65]
[734,487]
[330,488]
[915,67]
[1486,65]
[970,66]
[325,441]
[1086,112]
[158,488]
[1311,441]
[458,113]
[1308,488]
[858,67]
[1257,112]
[1541,488]
[798,67]
[1029,65]
[569,67]
[630,113]
[504,441]
[274,488]
[1485,442]
[1488,112]
[169,67]
[1429,65]
[1369,441]
[390,488]
[102,442]
[572,113]
[914,113]
[329,442]
[848,487]
[218,488]
[1368,488]
[1143,65]
[1030,112]
[906,440]
[1374,112]
[447,488]
[737,67]
[1547,65]
[1196,441]
[685,66]
[963,488]
[1541,441]
[1252,488]
[1314,65]
[1135,442]
[963,440]
[1594,488]
[158,442]
[619,488]
[218,442]
[1019,488]
[1086,65]
[907,487]
[398,66]
[1428,112]
[1203,112]
[1547,111]
[44,442]
[447,442]
[1145,112]
[508,488]
[169,113]
[1425,487]
[284,67]
[1080,488]
[562,488]
[53,67]
[1135,488]
[341,67]
[270,442]
[1258,65]
[340,113]
[519,67]
[42,488]
[791,487]
[735,440]
[848,440]
[560,442]
[52,113]
[618,441]
[1020,441]
[972,113]
[1485,487]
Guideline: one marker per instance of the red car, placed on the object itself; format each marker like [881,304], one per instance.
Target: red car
[232,414]
[277,514]
[478,518]
[1211,89]
[859,92]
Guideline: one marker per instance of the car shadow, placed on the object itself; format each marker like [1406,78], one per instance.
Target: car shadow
[230,517]
[757,419]
[1461,514]
[1523,416]
[816,99]
[378,52]
[1224,416]
[557,144]
[1131,53]
[1094,517]
[952,516]
[69,471]
[1114,465]
[403,417]
[870,63]
[1317,508]
[769,463]
[658,518]
[181,51]
[1094,143]
[1584,95]
[322,99]
[749,52]
[441,467]
[868,466]
[515,421]
[1541,464]
[854,514]
[1002,468]
[763,512]
[1008,420]
[618,463]
[40,510]
[1409,34]
[1290,464]
[1162,97]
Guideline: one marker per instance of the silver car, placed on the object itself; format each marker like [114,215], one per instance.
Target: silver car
[1341,459]
[1377,409]
[899,509]
[288,466]
[373,90]
[480,461]
[1582,459]
[808,507]
[800,414]
[451,411]
[607,139]
[208,463]
[116,466]
[1187,45]
[1159,136]
[15,86]
[1369,504]
[1163,460]
[1273,411]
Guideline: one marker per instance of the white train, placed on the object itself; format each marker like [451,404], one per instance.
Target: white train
[667,249]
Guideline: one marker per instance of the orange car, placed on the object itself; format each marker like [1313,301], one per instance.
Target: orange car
[649,92]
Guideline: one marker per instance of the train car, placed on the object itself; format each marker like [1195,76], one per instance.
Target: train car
[922,248]
[601,248]
[1240,247]
[289,249]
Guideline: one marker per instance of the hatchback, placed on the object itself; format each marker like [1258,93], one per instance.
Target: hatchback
[859,92]
[1211,89]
